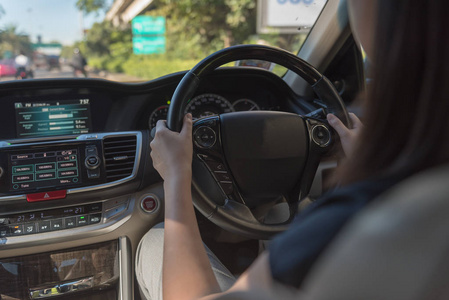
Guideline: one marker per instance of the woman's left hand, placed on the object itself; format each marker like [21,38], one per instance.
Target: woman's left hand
[172,151]
[348,137]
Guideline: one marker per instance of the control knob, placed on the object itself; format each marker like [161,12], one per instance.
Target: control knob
[92,162]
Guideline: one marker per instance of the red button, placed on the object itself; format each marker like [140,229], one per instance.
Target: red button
[149,204]
[46,196]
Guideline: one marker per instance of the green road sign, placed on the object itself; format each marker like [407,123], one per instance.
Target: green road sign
[147,25]
[148,44]
[47,45]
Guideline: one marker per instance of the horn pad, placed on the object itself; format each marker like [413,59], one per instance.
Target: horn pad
[266,151]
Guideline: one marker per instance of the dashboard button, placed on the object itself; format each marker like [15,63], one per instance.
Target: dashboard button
[22,156]
[216,166]
[114,203]
[56,224]
[4,231]
[115,211]
[23,169]
[45,176]
[205,137]
[68,164]
[16,230]
[91,150]
[149,203]
[227,187]
[44,226]
[321,135]
[46,196]
[70,222]
[29,228]
[92,174]
[67,173]
[222,176]
[45,167]
[23,178]
[94,207]
[95,218]
[92,162]
[82,220]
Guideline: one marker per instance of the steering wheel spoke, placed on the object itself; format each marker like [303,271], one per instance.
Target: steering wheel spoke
[208,150]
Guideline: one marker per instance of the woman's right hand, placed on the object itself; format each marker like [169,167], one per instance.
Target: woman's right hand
[171,151]
[348,136]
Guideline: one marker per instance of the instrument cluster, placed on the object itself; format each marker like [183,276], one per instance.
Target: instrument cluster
[206,105]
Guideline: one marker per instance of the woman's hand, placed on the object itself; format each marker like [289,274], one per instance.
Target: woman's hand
[348,136]
[172,151]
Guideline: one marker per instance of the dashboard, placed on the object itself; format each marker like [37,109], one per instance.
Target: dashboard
[65,145]
[76,171]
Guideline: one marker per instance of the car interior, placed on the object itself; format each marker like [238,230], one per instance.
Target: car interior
[73,207]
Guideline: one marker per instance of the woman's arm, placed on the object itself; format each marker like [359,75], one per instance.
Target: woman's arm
[187,273]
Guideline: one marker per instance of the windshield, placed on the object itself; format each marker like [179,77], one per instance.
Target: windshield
[137,40]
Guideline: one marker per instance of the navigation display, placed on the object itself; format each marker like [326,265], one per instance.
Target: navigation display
[44,169]
[53,118]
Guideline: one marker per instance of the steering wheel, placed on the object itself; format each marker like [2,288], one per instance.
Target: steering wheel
[245,162]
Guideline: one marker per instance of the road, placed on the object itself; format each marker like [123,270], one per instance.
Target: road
[67,72]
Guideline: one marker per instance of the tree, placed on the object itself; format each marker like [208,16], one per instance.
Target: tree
[13,41]
[102,37]
[90,6]
[196,28]
[106,47]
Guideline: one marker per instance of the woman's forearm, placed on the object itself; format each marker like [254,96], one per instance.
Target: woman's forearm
[187,273]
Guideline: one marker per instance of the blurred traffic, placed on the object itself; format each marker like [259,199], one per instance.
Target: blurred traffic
[39,65]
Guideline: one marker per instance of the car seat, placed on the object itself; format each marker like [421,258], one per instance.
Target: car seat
[398,248]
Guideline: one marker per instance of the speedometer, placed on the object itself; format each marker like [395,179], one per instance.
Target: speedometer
[159,113]
[245,105]
[207,105]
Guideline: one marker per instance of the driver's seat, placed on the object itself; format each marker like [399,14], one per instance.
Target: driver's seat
[396,249]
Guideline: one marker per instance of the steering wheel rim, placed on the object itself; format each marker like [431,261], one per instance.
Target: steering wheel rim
[190,82]
[232,215]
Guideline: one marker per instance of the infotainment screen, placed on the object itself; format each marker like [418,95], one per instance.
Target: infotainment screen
[53,118]
[31,170]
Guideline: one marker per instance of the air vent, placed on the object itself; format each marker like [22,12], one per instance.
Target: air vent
[119,153]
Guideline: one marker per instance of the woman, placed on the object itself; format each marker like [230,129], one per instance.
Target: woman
[405,132]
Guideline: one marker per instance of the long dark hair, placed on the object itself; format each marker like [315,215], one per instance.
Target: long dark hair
[407,105]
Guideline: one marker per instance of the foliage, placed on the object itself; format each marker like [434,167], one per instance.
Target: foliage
[89,6]
[106,47]
[151,67]
[13,41]
[194,29]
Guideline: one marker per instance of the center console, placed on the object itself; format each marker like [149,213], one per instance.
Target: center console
[70,189]
[42,170]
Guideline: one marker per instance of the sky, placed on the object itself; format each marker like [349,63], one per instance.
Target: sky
[57,20]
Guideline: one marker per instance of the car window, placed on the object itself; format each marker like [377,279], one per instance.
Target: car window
[143,39]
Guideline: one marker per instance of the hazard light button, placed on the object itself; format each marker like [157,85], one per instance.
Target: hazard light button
[46,196]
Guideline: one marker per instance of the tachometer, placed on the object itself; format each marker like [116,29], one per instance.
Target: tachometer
[245,105]
[159,113]
[208,105]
